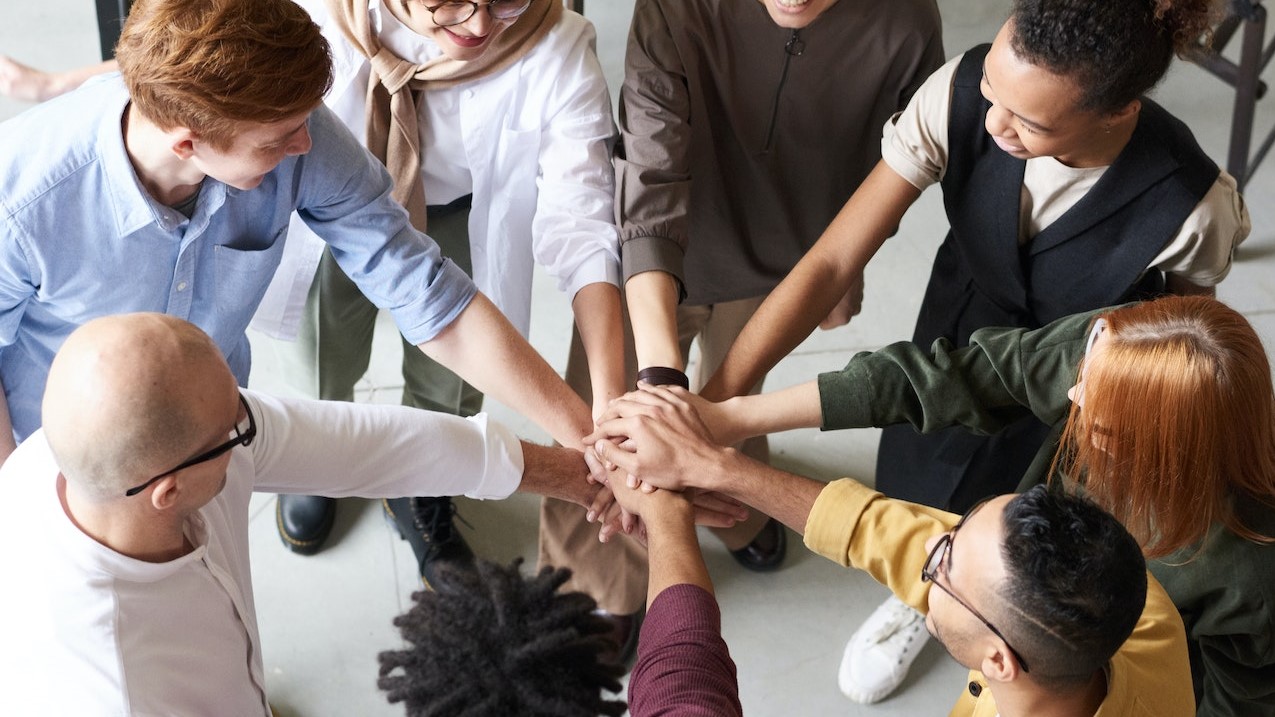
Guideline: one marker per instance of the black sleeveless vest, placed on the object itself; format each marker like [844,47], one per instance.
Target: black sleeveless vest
[1096,254]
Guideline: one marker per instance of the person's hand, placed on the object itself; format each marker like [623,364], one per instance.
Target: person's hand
[661,439]
[849,307]
[724,428]
[707,509]
[24,83]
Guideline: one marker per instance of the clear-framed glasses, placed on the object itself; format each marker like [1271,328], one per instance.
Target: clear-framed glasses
[454,12]
[1099,326]
[1077,394]
[940,554]
[243,432]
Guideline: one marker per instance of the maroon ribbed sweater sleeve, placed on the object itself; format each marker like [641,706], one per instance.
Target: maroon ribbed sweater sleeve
[683,667]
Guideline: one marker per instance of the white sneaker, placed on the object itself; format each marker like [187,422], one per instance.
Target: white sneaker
[880,652]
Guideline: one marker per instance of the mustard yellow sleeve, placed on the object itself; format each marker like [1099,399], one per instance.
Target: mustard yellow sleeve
[855,526]
[1151,673]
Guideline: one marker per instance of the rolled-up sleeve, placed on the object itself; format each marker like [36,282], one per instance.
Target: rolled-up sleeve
[344,197]
[574,234]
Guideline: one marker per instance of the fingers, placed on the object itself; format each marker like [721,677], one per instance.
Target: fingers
[647,400]
[602,501]
[718,503]
[615,429]
[609,528]
[597,468]
[714,519]
[623,460]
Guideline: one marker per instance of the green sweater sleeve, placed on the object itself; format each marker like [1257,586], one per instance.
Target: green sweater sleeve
[1003,375]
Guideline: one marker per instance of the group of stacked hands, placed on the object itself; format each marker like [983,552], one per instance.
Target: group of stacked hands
[144,219]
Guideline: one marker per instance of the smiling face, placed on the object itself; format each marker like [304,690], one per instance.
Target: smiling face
[255,151]
[464,42]
[796,14]
[1035,112]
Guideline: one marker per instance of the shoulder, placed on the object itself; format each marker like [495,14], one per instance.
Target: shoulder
[28,473]
[55,140]
[1174,137]
[571,36]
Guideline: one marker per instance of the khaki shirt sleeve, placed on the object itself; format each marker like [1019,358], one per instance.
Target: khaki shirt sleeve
[914,141]
[1204,247]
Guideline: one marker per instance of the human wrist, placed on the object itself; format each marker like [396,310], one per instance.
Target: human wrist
[669,512]
[663,376]
[712,468]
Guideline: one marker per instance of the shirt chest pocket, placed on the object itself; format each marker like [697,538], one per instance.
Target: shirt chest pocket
[238,280]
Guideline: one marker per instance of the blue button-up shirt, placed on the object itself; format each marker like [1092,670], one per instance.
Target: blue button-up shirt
[80,238]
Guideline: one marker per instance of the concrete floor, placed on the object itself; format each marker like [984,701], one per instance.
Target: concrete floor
[324,618]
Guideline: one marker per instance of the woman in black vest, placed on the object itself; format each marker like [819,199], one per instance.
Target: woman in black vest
[1066,190]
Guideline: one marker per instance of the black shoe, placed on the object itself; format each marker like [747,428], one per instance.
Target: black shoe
[767,551]
[625,630]
[304,521]
[426,524]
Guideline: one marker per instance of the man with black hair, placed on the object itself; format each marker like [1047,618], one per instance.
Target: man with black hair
[1043,595]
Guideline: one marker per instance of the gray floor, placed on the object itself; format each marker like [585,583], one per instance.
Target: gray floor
[323,619]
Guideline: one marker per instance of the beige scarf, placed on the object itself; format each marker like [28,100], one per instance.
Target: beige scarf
[393,134]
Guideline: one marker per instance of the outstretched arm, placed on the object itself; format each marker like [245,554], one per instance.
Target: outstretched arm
[484,349]
[682,658]
[597,314]
[653,177]
[736,419]
[28,84]
[652,302]
[818,282]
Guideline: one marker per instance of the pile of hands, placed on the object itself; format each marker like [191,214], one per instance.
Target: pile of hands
[655,451]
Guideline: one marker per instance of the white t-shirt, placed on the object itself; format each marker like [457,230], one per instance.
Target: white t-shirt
[89,631]
[914,145]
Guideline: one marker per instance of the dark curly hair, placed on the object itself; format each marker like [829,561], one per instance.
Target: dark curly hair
[1076,584]
[1116,50]
[499,643]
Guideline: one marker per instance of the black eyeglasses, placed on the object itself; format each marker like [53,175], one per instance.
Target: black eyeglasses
[941,552]
[454,12]
[241,438]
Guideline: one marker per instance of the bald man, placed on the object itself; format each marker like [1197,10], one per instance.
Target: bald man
[124,528]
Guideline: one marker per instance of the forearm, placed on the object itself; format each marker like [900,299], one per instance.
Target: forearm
[673,549]
[597,315]
[787,497]
[556,472]
[784,410]
[485,350]
[816,284]
[652,303]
